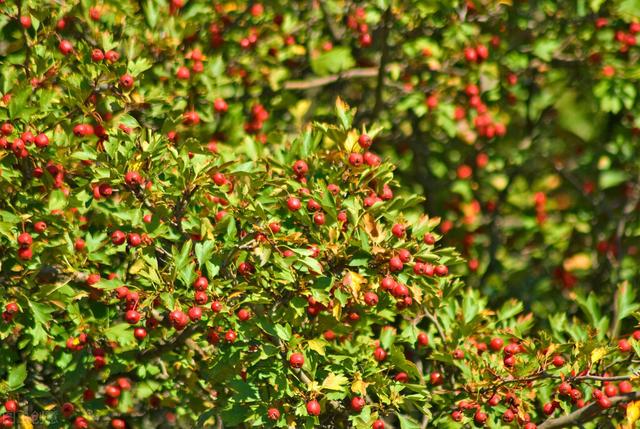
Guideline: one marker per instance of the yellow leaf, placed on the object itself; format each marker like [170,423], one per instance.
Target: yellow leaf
[354,282]
[337,310]
[579,261]
[334,382]
[137,266]
[317,345]
[300,109]
[298,50]
[25,422]
[359,386]
[598,354]
[633,414]
[371,228]
[351,142]
[416,293]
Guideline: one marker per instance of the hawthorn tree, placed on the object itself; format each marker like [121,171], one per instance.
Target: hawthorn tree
[187,241]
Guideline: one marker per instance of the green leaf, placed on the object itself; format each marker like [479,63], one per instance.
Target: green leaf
[336,60]
[18,100]
[138,66]
[625,301]
[629,7]
[151,13]
[387,337]
[407,422]
[611,178]
[544,48]
[284,332]
[509,309]
[57,200]
[17,376]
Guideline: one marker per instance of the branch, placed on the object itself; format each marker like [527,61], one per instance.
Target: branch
[329,22]
[27,48]
[327,80]
[384,58]
[169,345]
[433,318]
[586,413]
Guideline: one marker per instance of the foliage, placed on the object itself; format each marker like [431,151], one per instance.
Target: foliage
[195,232]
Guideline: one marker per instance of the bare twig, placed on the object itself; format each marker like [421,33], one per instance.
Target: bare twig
[435,321]
[384,58]
[587,413]
[327,80]
[329,22]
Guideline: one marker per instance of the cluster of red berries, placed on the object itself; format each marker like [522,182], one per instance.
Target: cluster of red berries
[357,23]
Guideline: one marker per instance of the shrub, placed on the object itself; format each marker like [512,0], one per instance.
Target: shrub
[181,248]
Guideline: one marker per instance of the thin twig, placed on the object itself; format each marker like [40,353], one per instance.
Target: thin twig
[587,413]
[327,80]
[384,58]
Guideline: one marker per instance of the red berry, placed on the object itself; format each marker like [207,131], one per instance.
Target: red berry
[183,73]
[364,141]
[436,378]
[201,284]
[610,390]
[423,339]
[378,424]
[296,360]
[293,204]
[118,237]
[97,55]
[65,47]
[127,81]
[624,346]
[357,403]
[319,219]
[456,416]
[118,424]
[480,418]
[313,408]
[400,291]
[429,239]
[558,361]
[134,239]
[220,106]
[508,416]
[112,56]
[625,387]
[395,264]
[300,168]
[496,344]
[401,377]
[112,391]
[25,240]
[549,408]
[398,230]
[355,159]
[195,313]
[41,140]
[564,388]
[441,270]
[140,333]
[132,317]
[604,402]
[379,354]
[371,299]
[273,414]
[11,406]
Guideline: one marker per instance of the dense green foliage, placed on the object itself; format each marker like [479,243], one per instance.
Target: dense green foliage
[198,231]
